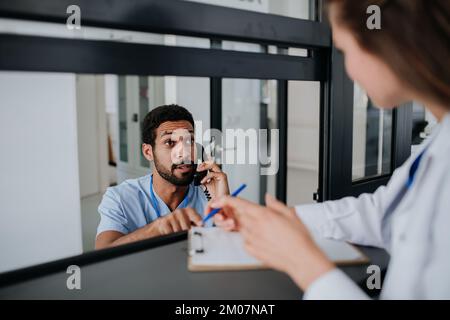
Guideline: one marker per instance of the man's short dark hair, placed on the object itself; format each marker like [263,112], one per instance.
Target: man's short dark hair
[159,115]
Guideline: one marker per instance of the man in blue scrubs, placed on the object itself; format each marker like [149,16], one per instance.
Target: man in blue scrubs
[165,201]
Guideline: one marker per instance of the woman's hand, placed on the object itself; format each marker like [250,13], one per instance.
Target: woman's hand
[215,181]
[225,219]
[276,236]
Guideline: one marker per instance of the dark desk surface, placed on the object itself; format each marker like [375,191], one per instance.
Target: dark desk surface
[161,273]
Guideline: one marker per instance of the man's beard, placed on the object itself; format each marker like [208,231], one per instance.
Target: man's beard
[167,175]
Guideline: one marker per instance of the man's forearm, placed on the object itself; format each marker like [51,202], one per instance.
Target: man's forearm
[148,231]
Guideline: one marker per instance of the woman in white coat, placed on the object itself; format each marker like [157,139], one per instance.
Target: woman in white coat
[408,59]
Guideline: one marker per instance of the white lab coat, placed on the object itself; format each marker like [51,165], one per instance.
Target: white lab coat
[416,233]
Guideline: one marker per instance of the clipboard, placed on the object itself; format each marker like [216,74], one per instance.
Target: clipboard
[213,249]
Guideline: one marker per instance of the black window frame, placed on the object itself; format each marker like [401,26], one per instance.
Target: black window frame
[339,182]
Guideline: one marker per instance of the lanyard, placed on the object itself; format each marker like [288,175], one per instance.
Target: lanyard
[155,202]
[401,194]
[409,183]
[413,169]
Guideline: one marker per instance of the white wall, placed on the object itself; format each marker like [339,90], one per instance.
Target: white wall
[92,134]
[241,110]
[193,93]
[291,8]
[252,5]
[360,101]
[303,141]
[111,104]
[39,185]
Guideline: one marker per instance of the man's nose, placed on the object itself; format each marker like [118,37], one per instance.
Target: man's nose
[182,151]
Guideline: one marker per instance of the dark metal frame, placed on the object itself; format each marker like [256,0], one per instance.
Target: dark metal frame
[178,17]
[339,164]
[282,121]
[33,53]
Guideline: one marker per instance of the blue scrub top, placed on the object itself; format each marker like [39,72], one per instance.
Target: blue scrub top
[128,206]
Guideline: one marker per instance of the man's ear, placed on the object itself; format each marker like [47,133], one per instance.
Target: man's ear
[147,151]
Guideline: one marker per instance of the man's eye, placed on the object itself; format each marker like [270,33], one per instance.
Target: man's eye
[169,143]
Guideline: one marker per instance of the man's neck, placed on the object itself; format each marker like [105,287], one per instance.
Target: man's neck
[171,194]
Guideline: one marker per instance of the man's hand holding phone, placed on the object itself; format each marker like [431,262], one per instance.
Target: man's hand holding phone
[215,179]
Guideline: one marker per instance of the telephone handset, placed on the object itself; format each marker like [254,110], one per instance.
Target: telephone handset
[198,176]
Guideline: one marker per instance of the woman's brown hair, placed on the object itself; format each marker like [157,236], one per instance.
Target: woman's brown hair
[414,40]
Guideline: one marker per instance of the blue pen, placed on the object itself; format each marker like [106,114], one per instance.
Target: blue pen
[234,194]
